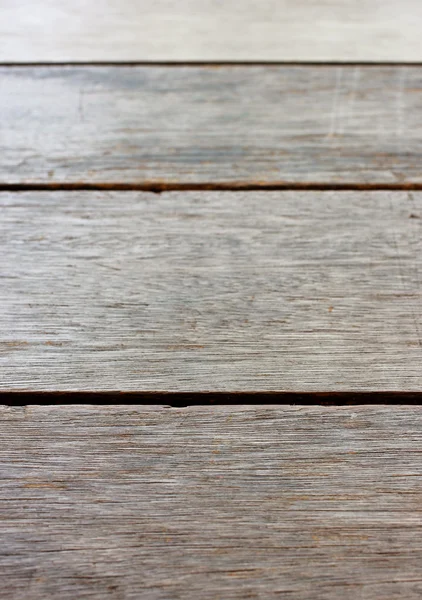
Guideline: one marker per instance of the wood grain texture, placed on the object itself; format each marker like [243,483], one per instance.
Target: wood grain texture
[211,291]
[234,125]
[224,502]
[210,30]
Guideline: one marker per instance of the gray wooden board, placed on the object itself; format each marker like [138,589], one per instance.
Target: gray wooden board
[210,30]
[209,291]
[239,502]
[235,125]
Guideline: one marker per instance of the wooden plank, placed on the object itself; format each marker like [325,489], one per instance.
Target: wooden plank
[223,502]
[211,291]
[233,125]
[210,30]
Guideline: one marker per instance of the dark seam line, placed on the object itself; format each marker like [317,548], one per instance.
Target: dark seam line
[199,63]
[158,187]
[206,398]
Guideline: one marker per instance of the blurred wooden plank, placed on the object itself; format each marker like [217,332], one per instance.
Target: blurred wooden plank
[211,291]
[221,502]
[231,125]
[210,30]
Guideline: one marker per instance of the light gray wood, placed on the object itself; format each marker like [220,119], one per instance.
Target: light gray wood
[235,125]
[195,291]
[238,502]
[210,30]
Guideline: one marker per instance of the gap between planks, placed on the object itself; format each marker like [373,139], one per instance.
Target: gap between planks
[186,399]
[216,64]
[157,187]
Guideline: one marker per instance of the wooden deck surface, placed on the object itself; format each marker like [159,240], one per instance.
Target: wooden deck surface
[211,291]
[233,126]
[279,262]
[211,30]
[234,502]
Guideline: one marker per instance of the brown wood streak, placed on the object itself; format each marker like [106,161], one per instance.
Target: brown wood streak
[211,291]
[233,126]
[234,502]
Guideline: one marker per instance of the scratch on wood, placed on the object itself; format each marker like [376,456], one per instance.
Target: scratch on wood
[401,108]
[81,106]
[416,247]
[352,98]
[336,125]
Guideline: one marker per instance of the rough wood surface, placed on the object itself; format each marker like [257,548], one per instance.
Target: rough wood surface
[213,30]
[194,291]
[235,125]
[225,502]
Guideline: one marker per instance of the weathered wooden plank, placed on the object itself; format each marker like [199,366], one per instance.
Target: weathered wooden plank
[223,502]
[210,30]
[235,125]
[194,291]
